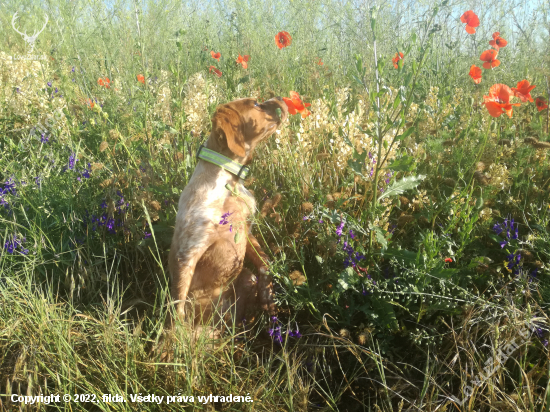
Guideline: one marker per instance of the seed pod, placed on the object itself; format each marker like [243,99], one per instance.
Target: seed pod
[307,207]
[297,278]
[277,199]
[530,140]
[541,145]
[277,217]
[103,146]
[362,339]
[268,204]
[344,333]
[505,142]
[481,178]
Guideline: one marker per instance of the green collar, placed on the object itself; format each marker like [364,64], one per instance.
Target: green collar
[225,163]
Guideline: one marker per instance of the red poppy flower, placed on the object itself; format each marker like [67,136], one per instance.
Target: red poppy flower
[448,260]
[90,103]
[398,56]
[140,78]
[295,105]
[290,105]
[104,82]
[475,74]
[243,60]
[490,59]
[541,103]
[320,63]
[498,41]
[217,72]
[499,100]
[283,39]
[523,91]
[471,21]
[215,55]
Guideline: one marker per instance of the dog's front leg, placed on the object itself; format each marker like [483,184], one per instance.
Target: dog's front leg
[259,259]
[182,267]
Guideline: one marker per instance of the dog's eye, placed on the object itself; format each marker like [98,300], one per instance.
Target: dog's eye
[256,104]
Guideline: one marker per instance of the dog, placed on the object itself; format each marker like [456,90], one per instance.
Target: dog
[212,234]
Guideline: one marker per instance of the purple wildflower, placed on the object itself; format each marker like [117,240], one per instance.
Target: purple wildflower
[339,229]
[49,84]
[296,334]
[224,220]
[14,243]
[509,228]
[85,174]
[72,161]
[275,331]
[9,187]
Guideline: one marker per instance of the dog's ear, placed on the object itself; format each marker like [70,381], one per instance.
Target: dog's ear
[226,125]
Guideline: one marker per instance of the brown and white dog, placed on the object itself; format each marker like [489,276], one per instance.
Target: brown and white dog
[206,257]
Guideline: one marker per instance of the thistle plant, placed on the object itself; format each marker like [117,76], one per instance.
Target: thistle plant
[391,115]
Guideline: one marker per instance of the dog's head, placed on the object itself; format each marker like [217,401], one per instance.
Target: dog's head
[238,126]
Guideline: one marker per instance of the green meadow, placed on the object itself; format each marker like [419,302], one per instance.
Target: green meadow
[405,206]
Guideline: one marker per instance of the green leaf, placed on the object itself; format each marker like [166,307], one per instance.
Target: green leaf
[347,279]
[444,273]
[480,201]
[408,78]
[479,260]
[398,187]
[386,313]
[359,63]
[406,134]
[243,79]
[396,102]
[356,166]
[496,238]
[408,257]
[405,164]
[236,237]
[379,233]
[357,79]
